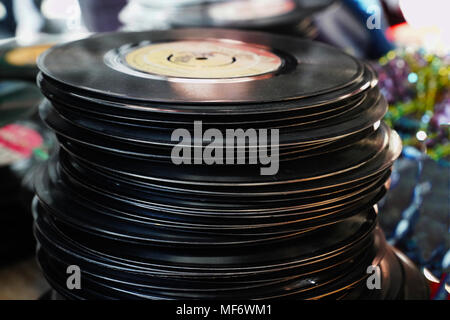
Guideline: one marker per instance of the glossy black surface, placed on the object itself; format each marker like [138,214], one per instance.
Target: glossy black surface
[80,64]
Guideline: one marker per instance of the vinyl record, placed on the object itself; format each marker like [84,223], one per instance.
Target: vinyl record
[260,15]
[64,94]
[231,281]
[325,187]
[289,17]
[18,62]
[18,57]
[388,149]
[66,102]
[64,198]
[235,260]
[231,67]
[322,128]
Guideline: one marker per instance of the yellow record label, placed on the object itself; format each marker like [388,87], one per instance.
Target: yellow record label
[26,55]
[203,59]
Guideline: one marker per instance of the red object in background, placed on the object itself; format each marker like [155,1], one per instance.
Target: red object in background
[20,139]
[392,31]
[435,287]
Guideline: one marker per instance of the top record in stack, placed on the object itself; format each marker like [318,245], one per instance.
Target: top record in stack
[114,203]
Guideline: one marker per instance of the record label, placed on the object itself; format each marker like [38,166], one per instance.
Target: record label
[25,56]
[203,60]
[17,143]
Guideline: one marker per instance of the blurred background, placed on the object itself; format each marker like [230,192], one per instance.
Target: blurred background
[406,41]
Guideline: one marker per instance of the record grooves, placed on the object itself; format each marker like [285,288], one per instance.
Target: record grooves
[139,226]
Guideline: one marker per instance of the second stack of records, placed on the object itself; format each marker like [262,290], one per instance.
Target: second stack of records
[215,164]
[290,17]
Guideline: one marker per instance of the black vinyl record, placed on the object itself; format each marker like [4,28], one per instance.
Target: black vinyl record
[388,149]
[18,62]
[231,67]
[61,93]
[18,56]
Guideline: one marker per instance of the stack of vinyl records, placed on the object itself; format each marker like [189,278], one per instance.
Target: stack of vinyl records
[289,17]
[22,145]
[215,164]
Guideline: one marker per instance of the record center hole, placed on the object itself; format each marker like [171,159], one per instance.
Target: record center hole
[171,59]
